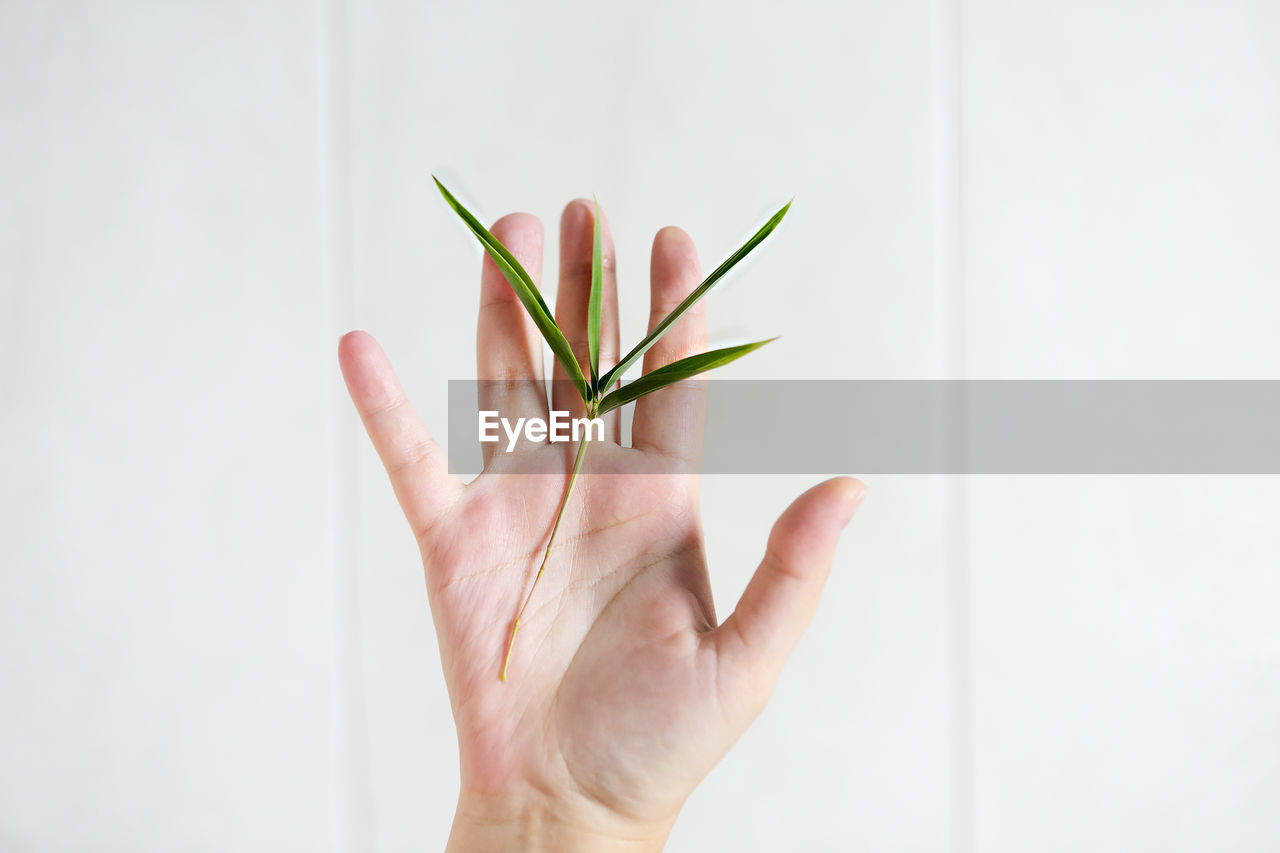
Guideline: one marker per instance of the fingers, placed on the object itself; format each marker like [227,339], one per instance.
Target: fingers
[577,224]
[671,420]
[781,598]
[508,344]
[416,465]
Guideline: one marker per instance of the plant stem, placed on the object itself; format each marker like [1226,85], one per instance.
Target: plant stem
[555,527]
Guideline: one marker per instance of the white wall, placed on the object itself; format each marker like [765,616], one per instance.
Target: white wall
[214,629]
[166,597]
[1121,198]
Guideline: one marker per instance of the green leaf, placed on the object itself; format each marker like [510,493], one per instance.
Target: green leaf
[525,290]
[593,303]
[674,372]
[650,339]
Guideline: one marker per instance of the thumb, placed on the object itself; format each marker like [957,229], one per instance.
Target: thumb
[780,600]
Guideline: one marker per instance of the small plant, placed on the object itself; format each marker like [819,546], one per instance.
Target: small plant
[593,386]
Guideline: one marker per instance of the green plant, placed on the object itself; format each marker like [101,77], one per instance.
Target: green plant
[592,385]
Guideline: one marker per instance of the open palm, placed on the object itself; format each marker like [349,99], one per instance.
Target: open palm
[624,689]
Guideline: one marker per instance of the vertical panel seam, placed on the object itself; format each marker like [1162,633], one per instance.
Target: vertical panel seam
[352,812]
[947,79]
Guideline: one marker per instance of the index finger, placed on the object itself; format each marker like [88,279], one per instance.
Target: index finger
[671,421]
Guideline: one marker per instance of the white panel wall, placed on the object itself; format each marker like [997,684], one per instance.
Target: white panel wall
[166,613]
[1122,204]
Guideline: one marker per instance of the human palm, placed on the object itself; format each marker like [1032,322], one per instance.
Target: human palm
[623,688]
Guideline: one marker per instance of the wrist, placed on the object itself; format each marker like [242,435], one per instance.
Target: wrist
[494,822]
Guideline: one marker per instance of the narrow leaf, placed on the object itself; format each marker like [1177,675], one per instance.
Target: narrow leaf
[525,290]
[701,290]
[593,303]
[669,374]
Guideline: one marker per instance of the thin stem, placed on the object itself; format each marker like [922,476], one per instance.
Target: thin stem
[555,527]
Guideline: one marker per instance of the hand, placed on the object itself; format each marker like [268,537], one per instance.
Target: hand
[624,689]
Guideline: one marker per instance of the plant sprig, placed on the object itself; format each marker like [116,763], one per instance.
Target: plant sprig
[593,386]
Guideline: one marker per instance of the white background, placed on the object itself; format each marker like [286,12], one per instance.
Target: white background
[213,627]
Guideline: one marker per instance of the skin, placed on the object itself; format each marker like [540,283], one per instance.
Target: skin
[624,689]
